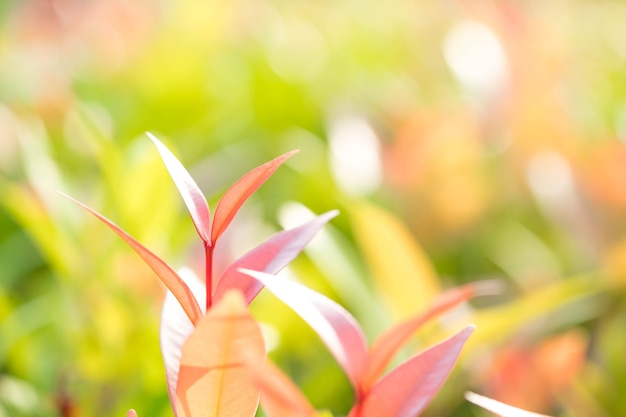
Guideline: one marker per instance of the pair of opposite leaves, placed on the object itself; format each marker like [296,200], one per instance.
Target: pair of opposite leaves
[213,349]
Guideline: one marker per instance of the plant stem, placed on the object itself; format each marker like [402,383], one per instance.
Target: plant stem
[208,256]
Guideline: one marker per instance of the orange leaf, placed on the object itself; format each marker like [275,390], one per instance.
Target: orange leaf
[279,396]
[407,389]
[389,342]
[213,380]
[239,192]
[169,277]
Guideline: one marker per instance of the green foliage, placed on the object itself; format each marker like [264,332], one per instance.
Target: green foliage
[466,176]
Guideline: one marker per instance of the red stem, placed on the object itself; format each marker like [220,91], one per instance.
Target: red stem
[208,256]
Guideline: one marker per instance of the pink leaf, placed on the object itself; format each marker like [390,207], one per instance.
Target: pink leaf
[336,327]
[279,396]
[269,257]
[175,329]
[170,278]
[131,413]
[188,189]
[389,342]
[496,407]
[239,192]
[407,390]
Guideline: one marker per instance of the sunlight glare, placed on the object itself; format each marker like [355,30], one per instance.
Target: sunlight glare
[475,56]
[355,155]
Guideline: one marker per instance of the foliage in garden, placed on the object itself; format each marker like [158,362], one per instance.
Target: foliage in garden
[214,355]
[490,143]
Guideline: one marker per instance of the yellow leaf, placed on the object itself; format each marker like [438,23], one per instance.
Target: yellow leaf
[499,323]
[402,272]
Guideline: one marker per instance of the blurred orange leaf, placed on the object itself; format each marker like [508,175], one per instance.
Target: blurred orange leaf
[533,377]
[279,396]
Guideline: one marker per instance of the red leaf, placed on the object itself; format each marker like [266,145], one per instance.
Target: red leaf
[174,330]
[239,192]
[407,390]
[213,379]
[270,257]
[188,189]
[501,409]
[279,396]
[389,342]
[170,278]
[336,327]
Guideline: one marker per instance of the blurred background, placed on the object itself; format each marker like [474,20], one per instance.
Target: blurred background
[460,140]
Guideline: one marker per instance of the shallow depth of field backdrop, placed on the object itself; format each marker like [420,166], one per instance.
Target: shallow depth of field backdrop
[460,140]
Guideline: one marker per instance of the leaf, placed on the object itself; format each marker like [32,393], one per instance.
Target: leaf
[188,189]
[239,192]
[279,396]
[336,327]
[496,407]
[169,277]
[400,268]
[269,257]
[43,227]
[388,343]
[409,388]
[213,379]
[174,330]
[499,322]
[131,413]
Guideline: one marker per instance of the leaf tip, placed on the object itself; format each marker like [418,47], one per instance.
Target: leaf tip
[331,214]
[282,158]
[192,195]
[75,201]
[151,136]
[157,142]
